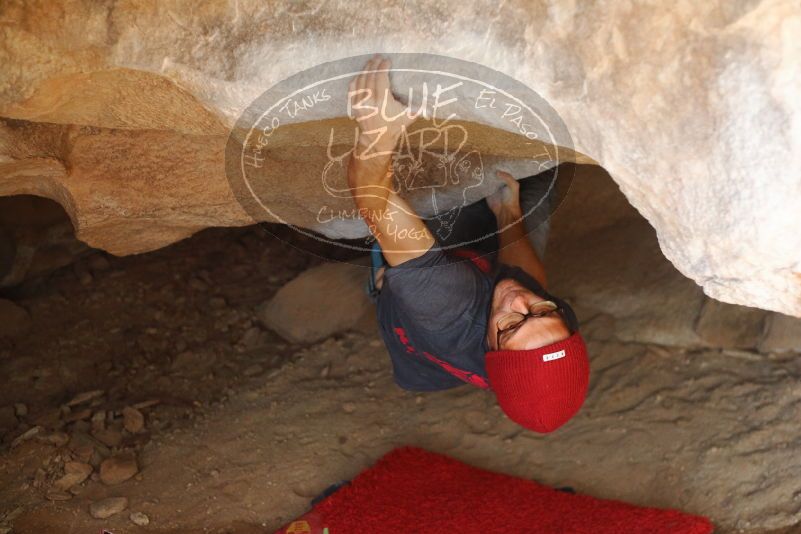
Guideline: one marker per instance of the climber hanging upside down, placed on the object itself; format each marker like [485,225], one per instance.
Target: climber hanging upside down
[449,315]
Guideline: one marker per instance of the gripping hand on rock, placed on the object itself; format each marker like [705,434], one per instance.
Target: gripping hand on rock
[505,202]
[381,117]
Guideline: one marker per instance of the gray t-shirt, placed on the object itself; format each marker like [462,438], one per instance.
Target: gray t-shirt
[433,313]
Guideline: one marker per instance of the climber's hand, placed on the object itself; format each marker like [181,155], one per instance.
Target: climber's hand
[401,233]
[515,248]
[505,202]
[380,116]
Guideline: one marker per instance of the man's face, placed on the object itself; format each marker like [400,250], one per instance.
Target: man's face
[510,296]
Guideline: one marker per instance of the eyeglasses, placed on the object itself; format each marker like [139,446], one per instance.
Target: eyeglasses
[512,321]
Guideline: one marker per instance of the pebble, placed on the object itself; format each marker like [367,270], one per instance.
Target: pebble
[348,407]
[140,519]
[57,495]
[325,371]
[118,469]
[99,420]
[85,396]
[25,436]
[74,473]
[58,439]
[108,437]
[252,338]
[146,404]
[39,477]
[108,507]
[81,450]
[306,488]
[133,420]
[20,409]
[78,416]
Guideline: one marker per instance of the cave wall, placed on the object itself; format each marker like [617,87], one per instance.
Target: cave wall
[120,110]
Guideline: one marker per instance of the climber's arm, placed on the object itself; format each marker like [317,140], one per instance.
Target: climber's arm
[515,248]
[382,120]
[400,232]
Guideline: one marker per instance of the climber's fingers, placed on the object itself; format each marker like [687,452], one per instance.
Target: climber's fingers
[355,95]
[370,77]
[509,180]
[360,79]
[382,87]
[361,89]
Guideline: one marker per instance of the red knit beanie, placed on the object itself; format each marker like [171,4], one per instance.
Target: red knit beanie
[541,389]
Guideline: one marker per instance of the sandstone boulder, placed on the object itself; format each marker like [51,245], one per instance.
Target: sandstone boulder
[121,113]
[730,327]
[321,301]
[783,334]
[633,293]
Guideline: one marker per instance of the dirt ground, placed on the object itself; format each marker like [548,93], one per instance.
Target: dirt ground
[240,429]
